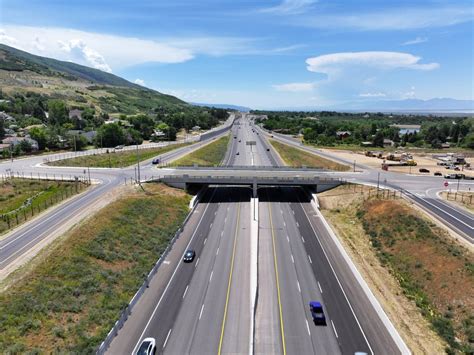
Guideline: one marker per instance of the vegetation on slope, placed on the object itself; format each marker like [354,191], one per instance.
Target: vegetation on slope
[15,193]
[433,270]
[295,157]
[210,155]
[70,301]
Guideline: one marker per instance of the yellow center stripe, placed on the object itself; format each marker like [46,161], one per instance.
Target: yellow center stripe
[230,281]
[282,328]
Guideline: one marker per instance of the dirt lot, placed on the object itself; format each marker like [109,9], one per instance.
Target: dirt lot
[415,270]
[424,160]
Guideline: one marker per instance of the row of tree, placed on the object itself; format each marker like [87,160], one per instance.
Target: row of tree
[322,130]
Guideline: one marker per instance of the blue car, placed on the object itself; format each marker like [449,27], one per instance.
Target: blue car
[317,313]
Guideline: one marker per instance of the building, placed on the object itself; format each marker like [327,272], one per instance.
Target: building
[407,128]
[4,147]
[14,141]
[6,117]
[343,134]
[388,143]
[75,113]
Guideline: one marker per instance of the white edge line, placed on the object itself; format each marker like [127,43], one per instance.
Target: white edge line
[339,282]
[307,327]
[320,289]
[202,309]
[185,291]
[171,279]
[373,300]
[166,340]
[334,327]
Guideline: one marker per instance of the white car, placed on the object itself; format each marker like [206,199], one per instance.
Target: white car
[147,347]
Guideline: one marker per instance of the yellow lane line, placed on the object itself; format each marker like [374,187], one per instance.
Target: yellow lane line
[230,281]
[282,328]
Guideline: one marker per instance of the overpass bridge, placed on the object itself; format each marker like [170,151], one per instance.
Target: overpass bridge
[193,179]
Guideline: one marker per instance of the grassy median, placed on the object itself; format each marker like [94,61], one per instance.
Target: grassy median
[116,159]
[71,299]
[431,269]
[209,155]
[22,199]
[295,157]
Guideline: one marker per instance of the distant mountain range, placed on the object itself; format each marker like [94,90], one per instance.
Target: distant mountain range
[436,105]
[432,105]
[223,106]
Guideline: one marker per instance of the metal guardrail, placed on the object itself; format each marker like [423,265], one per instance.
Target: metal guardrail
[251,167]
[128,309]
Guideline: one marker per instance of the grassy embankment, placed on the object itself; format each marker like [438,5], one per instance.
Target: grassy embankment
[71,299]
[15,192]
[296,158]
[431,269]
[209,155]
[116,159]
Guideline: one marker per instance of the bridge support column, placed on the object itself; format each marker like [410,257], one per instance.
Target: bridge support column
[254,188]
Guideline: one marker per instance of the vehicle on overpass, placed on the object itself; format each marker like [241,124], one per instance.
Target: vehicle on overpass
[317,313]
[147,347]
[156,161]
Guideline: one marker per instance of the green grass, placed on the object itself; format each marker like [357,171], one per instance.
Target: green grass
[116,159]
[15,192]
[71,299]
[209,155]
[296,158]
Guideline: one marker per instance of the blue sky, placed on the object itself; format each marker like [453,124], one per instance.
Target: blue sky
[262,54]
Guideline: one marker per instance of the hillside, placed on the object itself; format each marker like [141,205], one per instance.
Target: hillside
[76,84]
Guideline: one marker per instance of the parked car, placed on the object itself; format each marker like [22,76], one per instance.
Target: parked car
[119,146]
[156,161]
[147,347]
[437,173]
[189,256]
[237,153]
[317,313]
[423,170]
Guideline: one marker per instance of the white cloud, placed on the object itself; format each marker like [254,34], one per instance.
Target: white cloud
[331,64]
[5,39]
[290,7]
[93,49]
[294,87]
[80,52]
[372,94]
[400,18]
[140,82]
[410,94]
[415,41]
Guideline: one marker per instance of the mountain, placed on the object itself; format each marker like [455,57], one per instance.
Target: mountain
[77,84]
[223,106]
[432,105]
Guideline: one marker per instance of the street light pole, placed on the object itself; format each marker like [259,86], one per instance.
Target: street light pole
[378,183]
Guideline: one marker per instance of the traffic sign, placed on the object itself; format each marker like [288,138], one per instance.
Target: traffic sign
[446,184]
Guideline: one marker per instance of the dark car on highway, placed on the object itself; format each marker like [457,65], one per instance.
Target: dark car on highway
[423,170]
[317,313]
[189,256]
[156,161]
[437,173]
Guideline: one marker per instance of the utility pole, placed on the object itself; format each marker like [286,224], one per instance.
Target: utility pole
[457,189]
[378,183]
[354,166]
[89,173]
[74,136]
[138,166]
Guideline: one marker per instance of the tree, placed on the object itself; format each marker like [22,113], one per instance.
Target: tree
[378,139]
[77,142]
[39,134]
[469,141]
[132,136]
[111,134]
[58,113]
[25,146]
[2,129]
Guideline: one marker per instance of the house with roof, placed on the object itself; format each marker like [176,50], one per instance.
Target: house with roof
[14,141]
[343,134]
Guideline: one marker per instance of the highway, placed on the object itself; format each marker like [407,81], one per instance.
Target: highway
[205,307]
